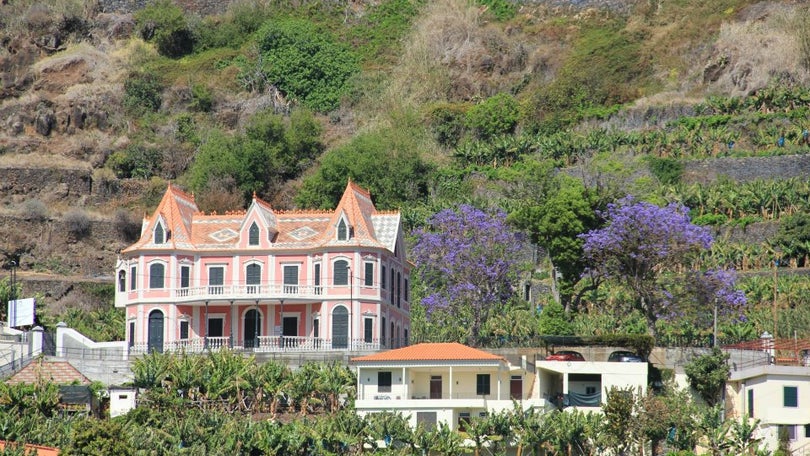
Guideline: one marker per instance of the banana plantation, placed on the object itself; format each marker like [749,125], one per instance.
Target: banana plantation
[227,404]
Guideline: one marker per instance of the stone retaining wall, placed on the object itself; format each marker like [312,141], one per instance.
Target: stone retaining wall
[746,169]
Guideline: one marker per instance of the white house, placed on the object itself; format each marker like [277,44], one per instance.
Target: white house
[778,396]
[436,383]
[584,384]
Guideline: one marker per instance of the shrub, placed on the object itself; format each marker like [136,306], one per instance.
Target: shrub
[34,210]
[201,98]
[553,321]
[77,223]
[503,10]
[142,93]
[164,23]
[497,115]
[710,219]
[447,123]
[306,63]
[136,161]
[667,170]
[105,181]
[126,225]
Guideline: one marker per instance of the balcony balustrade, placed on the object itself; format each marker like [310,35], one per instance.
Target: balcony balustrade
[245,292]
[270,344]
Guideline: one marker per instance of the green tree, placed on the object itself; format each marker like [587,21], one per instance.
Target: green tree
[793,238]
[392,171]
[306,63]
[556,210]
[708,374]
[271,151]
[618,430]
[553,321]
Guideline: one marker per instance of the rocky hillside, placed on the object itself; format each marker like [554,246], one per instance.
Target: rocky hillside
[80,161]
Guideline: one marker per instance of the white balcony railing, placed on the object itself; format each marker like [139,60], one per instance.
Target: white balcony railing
[264,344]
[247,292]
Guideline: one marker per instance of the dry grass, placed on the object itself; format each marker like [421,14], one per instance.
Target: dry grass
[451,55]
[757,51]
[39,160]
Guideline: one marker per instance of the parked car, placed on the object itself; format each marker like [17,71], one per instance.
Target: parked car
[565,355]
[623,356]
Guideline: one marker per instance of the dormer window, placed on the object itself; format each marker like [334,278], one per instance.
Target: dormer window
[342,230]
[253,234]
[160,237]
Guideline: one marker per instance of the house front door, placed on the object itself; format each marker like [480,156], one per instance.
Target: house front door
[435,386]
[289,329]
[252,328]
[516,387]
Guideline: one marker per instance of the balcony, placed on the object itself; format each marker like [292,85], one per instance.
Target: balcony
[243,292]
[267,344]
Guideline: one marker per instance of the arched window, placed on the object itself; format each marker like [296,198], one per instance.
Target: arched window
[341,273]
[253,278]
[159,234]
[342,230]
[122,281]
[253,234]
[156,275]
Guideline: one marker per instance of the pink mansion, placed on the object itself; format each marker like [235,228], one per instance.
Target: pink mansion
[266,280]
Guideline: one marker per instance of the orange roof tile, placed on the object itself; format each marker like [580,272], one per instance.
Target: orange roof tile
[31,449]
[358,208]
[449,351]
[192,229]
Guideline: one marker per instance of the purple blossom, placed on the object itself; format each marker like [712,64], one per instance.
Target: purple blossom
[702,290]
[468,259]
[639,243]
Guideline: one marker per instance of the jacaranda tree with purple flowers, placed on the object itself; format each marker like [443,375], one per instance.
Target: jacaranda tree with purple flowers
[469,261]
[641,244]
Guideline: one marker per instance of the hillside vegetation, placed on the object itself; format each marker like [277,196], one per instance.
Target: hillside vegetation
[427,103]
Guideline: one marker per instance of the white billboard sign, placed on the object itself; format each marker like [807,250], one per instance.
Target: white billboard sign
[21,312]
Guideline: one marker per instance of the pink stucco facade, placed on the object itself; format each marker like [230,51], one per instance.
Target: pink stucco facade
[318,280]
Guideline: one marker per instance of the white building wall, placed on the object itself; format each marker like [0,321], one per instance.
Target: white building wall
[122,401]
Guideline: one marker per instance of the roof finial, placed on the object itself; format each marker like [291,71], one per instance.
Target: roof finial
[254,194]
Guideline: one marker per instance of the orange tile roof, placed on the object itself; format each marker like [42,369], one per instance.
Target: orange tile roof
[30,449]
[191,229]
[58,372]
[449,351]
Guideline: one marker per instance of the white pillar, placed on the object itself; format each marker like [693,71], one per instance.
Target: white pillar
[197,325]
[35,347]
[405,391]
[451,382]
[500,374]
